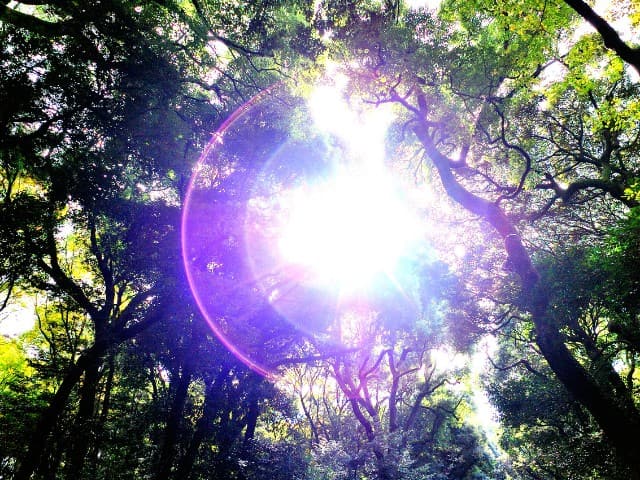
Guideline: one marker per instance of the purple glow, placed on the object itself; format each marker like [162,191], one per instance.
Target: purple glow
[266,282]
[188,225]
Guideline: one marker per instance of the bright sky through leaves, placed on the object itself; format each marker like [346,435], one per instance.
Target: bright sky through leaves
[353,225]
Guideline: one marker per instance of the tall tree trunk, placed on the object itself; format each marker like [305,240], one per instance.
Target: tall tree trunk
[315,436]
[33,456]
[83,430]
[52,458]
[49,417]
[252,421]
[104,412]
[168,450]
[618,417]
[204,427]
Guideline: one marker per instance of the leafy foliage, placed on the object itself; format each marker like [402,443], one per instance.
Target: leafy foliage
[507,112]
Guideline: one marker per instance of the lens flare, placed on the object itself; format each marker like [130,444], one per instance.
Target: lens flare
[348,229]
[284,240]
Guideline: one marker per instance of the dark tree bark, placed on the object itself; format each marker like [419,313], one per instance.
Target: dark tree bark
[104,413]
[50,415]
[609,36]
[83,429]
[618,417]
[252,421]
[204,428]
[168,451]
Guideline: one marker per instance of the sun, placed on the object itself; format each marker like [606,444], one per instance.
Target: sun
[349,227]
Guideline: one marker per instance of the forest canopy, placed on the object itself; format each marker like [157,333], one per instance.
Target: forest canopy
[335,239]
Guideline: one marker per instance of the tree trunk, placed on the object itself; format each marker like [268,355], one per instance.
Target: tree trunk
[315,437]
[104,412]
[83,430]
[52,457]
[168,450]
[49,417]
[204,427]
[252,422]
[618,417]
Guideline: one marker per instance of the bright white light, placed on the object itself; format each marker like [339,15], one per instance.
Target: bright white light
[349,228]
[432,5]
[18,317]
[445,359]
[363,132]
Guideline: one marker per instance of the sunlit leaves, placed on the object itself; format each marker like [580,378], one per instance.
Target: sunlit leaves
[13,363]
[521,35]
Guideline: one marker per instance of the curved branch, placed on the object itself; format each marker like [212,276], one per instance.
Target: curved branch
[517,148]
[610,37]
[63,281]
[567,193]
[32,23]
[518,256]
[521,362]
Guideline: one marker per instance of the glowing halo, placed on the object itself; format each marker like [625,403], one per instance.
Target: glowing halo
[323,231]
[216,139]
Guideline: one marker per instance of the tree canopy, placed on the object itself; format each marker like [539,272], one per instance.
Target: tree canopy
[289,239]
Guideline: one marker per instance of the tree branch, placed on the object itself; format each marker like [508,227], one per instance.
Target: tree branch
[63,281]
[610,37]
[32,23]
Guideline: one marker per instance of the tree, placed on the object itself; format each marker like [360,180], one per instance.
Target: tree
[105,110]
[384,402]
[467,112]
[598,325]
[546,433]
[97,146]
